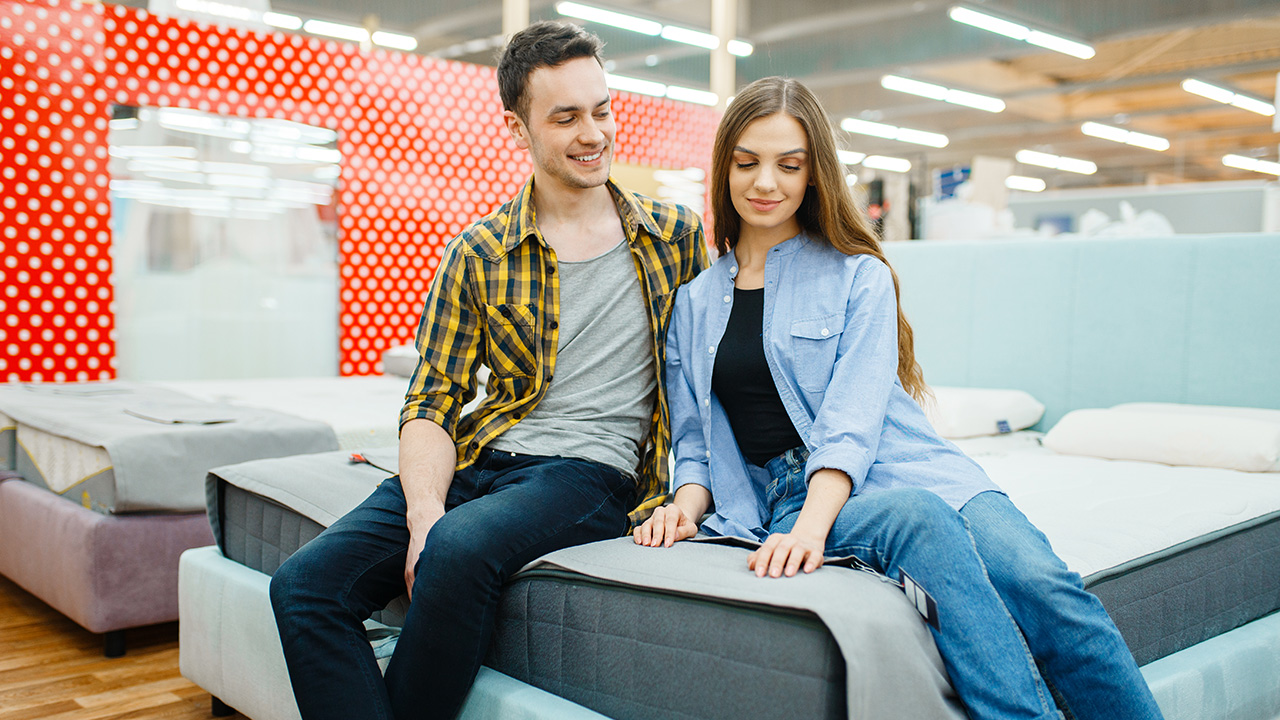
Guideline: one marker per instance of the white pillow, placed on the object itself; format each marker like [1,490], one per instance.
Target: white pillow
[1218,410]
[959,412]
[1219,440]
[400,360]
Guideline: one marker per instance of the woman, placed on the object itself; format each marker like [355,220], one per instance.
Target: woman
[793,389]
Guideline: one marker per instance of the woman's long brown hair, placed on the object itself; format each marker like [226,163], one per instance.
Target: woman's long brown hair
[827,211]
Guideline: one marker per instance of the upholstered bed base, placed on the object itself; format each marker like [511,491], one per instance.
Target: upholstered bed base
[107,573]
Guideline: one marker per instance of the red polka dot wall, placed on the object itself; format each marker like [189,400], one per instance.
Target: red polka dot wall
[422,145]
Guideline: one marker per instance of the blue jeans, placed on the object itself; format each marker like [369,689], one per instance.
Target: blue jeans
[1011,614]
[501,513]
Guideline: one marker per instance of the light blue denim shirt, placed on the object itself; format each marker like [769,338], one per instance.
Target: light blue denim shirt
[831,341]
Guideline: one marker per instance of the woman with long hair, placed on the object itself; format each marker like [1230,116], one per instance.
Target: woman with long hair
[794,402]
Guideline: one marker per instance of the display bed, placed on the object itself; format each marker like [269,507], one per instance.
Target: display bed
[362,411]
[112,492]
[1177,555]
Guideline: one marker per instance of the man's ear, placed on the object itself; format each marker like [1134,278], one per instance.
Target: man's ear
[517,128]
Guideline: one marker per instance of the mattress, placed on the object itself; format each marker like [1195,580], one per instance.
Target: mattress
[8,438]
[117,447]
[1177,555]
[363,411]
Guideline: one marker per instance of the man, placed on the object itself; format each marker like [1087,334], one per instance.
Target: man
[564,293]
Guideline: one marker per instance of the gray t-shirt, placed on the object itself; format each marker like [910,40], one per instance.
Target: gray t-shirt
[600,403]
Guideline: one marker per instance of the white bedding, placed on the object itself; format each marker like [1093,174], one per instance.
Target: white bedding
[363,411]
[1101,513]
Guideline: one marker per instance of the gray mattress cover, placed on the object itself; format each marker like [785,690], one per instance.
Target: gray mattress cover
[161,443]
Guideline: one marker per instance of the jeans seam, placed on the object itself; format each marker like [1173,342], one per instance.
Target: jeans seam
[372,682]
[1046,704]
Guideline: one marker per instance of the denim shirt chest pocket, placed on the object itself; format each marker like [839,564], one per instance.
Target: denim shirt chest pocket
[813,350]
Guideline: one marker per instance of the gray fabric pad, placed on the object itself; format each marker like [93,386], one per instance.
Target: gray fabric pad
[593,643]
[585,640]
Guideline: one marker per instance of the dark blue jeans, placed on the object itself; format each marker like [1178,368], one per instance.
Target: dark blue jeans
[501,513]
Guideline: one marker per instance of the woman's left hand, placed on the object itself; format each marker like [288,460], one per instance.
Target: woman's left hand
[785,553]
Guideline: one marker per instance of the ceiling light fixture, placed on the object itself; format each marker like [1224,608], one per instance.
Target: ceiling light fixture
[1254,164]
[336,30]
[945,94]
[892,132]
[1228,97]
[609,17]
[1017,31]
[674,33]
[282,21]
[701,97]
[396,41]
[1128,137]
[635,85]
[849,157]
[1022,182]
[892,164]
[1056,162]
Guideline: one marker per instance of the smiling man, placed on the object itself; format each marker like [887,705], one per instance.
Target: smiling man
[564,293]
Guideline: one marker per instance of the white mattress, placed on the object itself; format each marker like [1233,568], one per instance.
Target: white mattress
[364,412]
[1101,513]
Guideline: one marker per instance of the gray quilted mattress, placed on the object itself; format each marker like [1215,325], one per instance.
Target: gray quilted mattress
[1162,603]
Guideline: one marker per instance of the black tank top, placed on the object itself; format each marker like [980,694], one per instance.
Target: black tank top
[745,388]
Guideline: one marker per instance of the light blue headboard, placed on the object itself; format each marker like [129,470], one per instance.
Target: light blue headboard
[1095,322]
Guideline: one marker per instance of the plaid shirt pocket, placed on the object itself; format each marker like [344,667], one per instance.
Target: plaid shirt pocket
[511,338]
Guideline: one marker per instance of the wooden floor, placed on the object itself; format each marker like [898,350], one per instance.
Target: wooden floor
[53,669]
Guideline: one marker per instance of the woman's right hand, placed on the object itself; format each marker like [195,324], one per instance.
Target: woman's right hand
[666,526]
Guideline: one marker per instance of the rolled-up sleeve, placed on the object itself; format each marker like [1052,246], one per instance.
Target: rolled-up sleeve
[688,443]
[847,427]
[448,341]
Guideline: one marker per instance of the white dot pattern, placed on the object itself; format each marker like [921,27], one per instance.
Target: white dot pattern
[424,152]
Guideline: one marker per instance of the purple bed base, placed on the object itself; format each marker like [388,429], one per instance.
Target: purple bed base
[106,572]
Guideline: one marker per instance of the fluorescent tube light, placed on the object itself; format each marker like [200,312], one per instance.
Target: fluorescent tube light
[866,127]
[938,92]
[336,30]
[849,157]
[674,33]
[1128,137]
[1057,162]
[1017,31]
[635,85]
[209,7]
[1060,44]
[408,43]
[690,37]
[892,164]
[892,132]
[1228,97]
[1021,182]
[1254,164]
[282,21]
[608,17]
[701,97]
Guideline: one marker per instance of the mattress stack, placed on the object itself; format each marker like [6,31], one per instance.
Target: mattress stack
[114,491]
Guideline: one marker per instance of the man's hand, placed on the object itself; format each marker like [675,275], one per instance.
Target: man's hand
[419,526]
[785,553]
[666,526]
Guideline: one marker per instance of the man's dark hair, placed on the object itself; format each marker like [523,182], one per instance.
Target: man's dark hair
[542,44]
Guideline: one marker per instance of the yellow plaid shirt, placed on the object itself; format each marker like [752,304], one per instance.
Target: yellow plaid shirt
[495,300]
